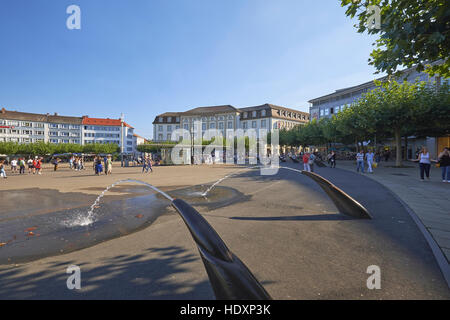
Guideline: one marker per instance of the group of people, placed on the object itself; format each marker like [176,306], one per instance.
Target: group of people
[106,166]
[147,165]
[425,161]
[76,163]
[369,157]
[308,161]
[19,166]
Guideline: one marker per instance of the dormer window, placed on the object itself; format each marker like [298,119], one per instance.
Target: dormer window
[169,119]
[254,113]
[160,119]
[245,114]
[263,113]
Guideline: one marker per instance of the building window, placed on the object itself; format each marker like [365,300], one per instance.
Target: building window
[169,119]
[212,125]
[244,125]
[203,126]
[263,113]
[245,114]
[160,128]
[168,137]
[263,123]
[160,137]
[275,126]
[253,124]
[169,128]
[230,125]
[220,125]
[160,119]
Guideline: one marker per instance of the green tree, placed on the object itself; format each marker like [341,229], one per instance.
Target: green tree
[397,108]
[412,33]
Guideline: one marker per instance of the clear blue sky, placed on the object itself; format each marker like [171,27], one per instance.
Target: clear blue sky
[145,57]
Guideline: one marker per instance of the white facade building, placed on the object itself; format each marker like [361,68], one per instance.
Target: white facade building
[22,127]
[225,118]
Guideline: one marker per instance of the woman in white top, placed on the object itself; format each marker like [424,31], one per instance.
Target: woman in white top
[424,160]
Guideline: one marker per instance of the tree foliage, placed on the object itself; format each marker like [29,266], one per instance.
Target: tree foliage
[412,33]
[43,148]
[392,110]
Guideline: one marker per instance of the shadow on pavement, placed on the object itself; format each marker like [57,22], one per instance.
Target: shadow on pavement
[154,275]
[314,217]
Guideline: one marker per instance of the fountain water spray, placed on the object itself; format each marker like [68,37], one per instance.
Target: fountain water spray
[89,219]
[204,194]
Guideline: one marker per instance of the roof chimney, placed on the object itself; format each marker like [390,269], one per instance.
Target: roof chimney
[3,110]
[56,113]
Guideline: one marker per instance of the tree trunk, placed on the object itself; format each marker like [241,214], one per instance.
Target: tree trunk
[398,146]
[406,147]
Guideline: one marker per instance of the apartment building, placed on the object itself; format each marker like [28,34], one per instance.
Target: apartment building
[227,117]
[327,105]
[23,127]
[97,130]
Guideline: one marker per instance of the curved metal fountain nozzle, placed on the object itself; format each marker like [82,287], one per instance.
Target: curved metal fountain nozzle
[228,275]
[345,204]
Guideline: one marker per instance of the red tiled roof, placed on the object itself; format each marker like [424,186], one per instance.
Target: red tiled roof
[104,122]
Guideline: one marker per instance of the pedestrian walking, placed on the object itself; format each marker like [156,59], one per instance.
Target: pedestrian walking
[333,159]
[387,155]
[21,166]
[312,158]
[444,164]
[2,169]
[424,160]
[38,165]
[98,166]
[144,165]
[109,165]
[55,164]
[30,165]
[369,159]
[360,161]
[306,166]
[105,164]
[14,166]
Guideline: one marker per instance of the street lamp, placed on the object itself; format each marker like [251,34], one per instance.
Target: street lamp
[121,142]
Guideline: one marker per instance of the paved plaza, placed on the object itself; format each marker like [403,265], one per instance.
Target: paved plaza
[430,200]
[283,227]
